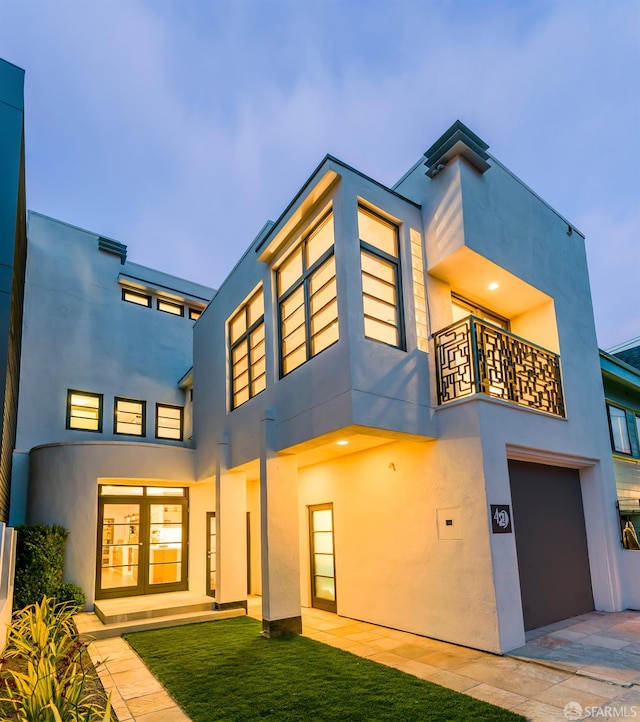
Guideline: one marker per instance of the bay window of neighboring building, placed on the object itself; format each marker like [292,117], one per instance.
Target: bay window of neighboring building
[620,440]
[129,416]
[381,284]
[307,297]
[247,350]
[84,410]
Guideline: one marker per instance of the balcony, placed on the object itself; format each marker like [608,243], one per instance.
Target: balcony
[476,357]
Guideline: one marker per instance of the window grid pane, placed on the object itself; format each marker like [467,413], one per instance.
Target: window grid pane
[174,308]
[129,417]
[169,422]
[247,351]
[141,299]
[309,312]
[380,299]
[84,411]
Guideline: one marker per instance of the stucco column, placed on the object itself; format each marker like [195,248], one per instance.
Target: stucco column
[281,613]
[231,536]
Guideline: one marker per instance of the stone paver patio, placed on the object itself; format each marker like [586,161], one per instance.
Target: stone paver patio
[591,662]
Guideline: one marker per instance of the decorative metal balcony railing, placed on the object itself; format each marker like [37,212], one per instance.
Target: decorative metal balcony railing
[473,356]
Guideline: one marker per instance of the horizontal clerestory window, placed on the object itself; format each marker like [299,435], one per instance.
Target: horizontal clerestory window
[247,361]
[169,307]
[84,410]
[129,416]
[381,286]
[141,299]
[307,297]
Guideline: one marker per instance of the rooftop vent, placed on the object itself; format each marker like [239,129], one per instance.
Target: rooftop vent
[109,246]
[458,140]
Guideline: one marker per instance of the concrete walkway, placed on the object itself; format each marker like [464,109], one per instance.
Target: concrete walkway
[136,694]
[589,675]
[586,665]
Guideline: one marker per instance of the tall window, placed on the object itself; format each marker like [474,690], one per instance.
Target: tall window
[169,422]
[381,289]
[619,430]
[129,417]
[247,350]
[307,297]
[84,410]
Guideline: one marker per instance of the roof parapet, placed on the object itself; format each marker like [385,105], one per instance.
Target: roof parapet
[457,140]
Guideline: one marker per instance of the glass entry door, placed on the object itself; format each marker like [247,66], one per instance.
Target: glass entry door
[141,540]
[321,542]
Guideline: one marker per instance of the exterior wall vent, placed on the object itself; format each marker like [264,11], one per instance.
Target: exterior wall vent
[458,140]
[109,246]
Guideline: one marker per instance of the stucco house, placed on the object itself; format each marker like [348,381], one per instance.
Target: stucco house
[391,408]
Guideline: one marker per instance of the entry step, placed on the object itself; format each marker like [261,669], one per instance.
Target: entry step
[129,609]
[89,625]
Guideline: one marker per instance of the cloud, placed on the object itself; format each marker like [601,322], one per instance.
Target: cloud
[179,128]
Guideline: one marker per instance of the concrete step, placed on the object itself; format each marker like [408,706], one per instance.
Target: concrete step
[110,614]
[89,625]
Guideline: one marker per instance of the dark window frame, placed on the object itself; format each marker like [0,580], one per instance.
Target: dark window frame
[140,294]
[175,304]
[245,338]
[305,281]
[160,405]
[192,311]
[396,263]
[143,424]
[626,421]
[100,398]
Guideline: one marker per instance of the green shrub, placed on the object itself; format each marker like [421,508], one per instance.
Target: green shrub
[51,679]
[39,566]
[72,595]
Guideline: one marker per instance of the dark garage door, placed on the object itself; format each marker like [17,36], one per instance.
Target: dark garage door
[551,543]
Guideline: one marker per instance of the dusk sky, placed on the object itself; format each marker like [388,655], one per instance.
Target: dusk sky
[179,127]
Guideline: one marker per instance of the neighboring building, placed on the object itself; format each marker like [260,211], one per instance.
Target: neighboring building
[621,379]
[13,250]
[397,411]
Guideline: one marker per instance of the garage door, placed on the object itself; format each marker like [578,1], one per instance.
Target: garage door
[551,543]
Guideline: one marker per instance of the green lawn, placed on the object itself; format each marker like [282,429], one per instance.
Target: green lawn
[226,670]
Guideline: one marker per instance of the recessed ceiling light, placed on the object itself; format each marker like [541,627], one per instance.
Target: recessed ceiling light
[342,442]
[493,286]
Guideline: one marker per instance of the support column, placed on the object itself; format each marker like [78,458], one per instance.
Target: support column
[281,612]
[231,535]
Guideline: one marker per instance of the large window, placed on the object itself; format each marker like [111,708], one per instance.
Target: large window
[307,297]
[381,288]
[247,350]
[129,416]
[84,410]
[619,430]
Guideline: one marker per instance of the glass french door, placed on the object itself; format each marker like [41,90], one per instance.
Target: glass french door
[211,553]
[323,568]
[142,544]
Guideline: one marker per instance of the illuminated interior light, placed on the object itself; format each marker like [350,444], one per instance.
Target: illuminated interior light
[342,442]
[493,286]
